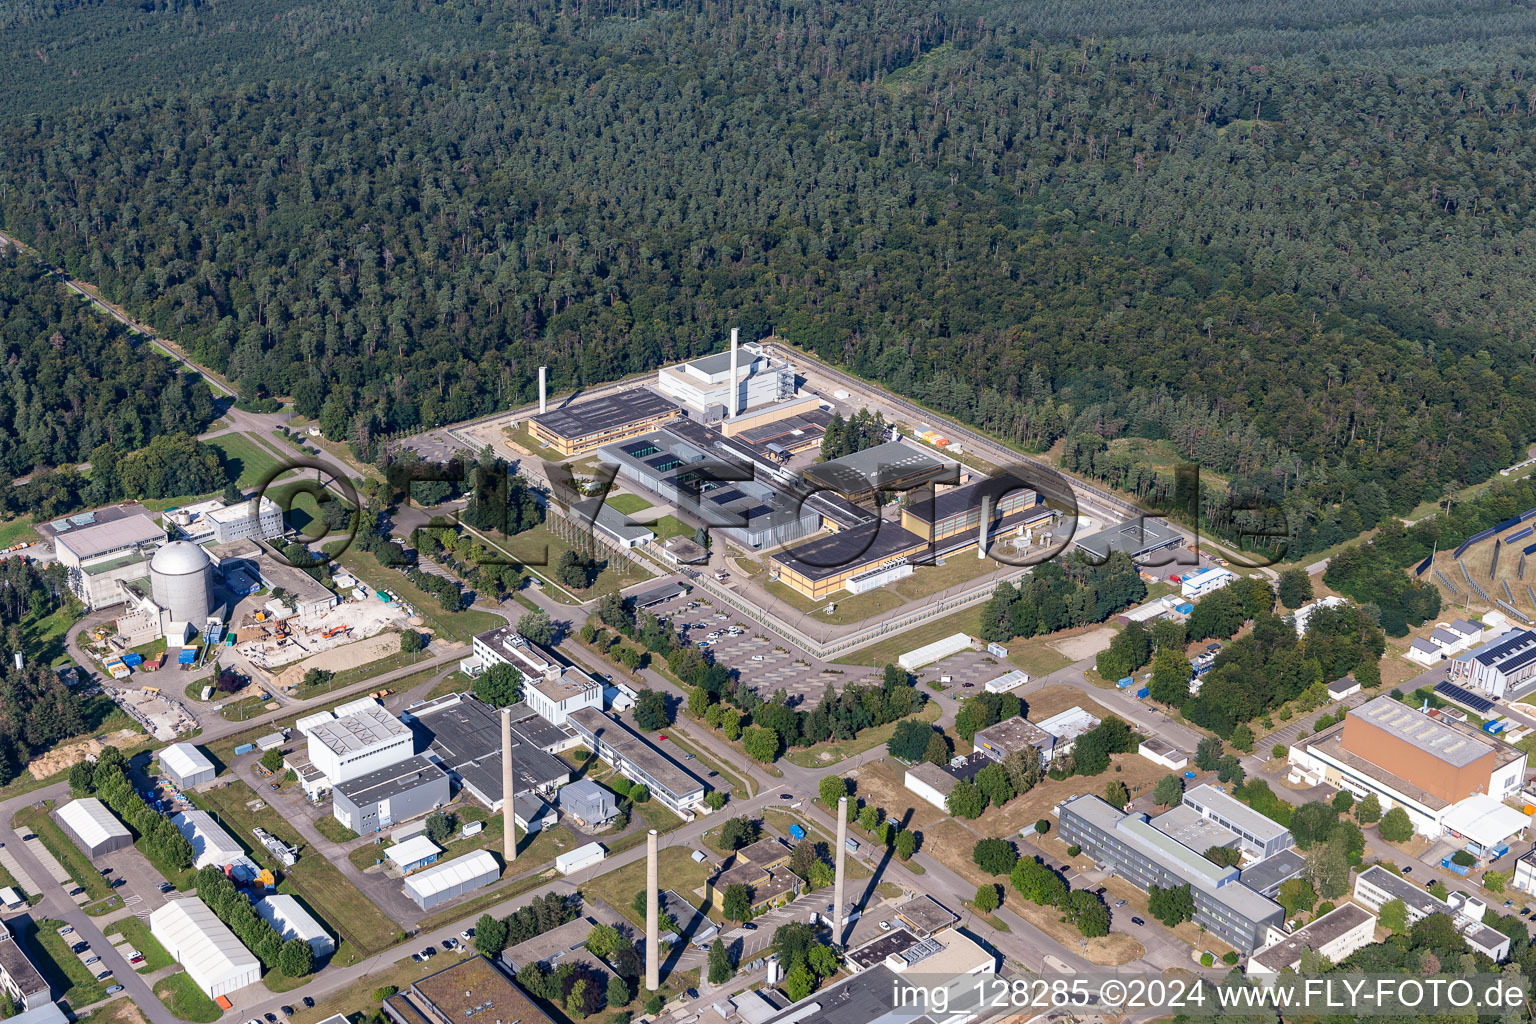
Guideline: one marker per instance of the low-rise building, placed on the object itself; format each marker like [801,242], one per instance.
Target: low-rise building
[588,803]
[355,745]
[1066,727]
[1335,935]
[214,958]
[1376,886]
[1502,668]
[1164,753]
[451,879]
[103,550]
[464,734]
[586,426]
[1260,835]
[415,853]
[19,976]
[392,794]
[470,990]
[92,826]
[678,789]
[1013,735]
[1266,876]
[186,766]
[932,783]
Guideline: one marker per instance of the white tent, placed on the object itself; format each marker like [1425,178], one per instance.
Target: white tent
[186,765]
[215,960]
[210,843]
[292,921]
[1484,820]
[93,827]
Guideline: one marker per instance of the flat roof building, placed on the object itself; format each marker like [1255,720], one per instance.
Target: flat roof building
[463,735]
[707,387]
[19,976]
[1376,885]
[585,426]
[932,783]
[387,796]
[1066,727]
[1261,836]
[1335,935]
[678,789]
[1135,537]
[1189,827]
[1012,735]
[355,745]
[186,766]
[956,511]
[474,989]
[890,467]
[291,921]
[1130,846]
[451,879]
[1269,874]
[92,827]
[588,803]
[102,551]
[215,960]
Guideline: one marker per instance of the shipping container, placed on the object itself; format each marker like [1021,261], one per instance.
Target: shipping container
[244,748]
[1142,693]
[1125,682]
[1450,865]
[796,832]
[133,659]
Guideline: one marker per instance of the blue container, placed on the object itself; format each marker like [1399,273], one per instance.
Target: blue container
[1125,682]
[1184,608]
[1450,865]
[133,660]
[244,748]
[1143,692]
[796,832]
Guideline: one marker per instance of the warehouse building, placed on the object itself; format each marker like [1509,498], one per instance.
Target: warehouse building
[392,794]
[451,879]
[1137,538]
[1376,885]
[194,936]
[1504,667]
[678,789]
[890,467]
[728,384]
[1425,765]
[414,854]
[782,430]
[1066,727]
[210,843]
[956,511]
[1335,935]
[291,921]
[103,550]
[584,427]
[186,766]
[824,567]
[1129,846]
[19,976]
[463,737]
[1261,836]
[92,827]
[309,598]
[355,745]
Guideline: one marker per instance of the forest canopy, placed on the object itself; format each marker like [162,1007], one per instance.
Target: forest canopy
[1287,244]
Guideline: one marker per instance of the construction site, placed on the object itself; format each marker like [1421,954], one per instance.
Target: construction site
[270,637]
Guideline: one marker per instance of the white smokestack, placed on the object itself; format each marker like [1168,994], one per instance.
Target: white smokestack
[508,790]
[981,530]
[839,906]
[735,406]
[652,917]
[543,395]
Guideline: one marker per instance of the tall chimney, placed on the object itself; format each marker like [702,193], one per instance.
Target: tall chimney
[981,530]
[508,791]
[543,394]
[652,917]
[734,409]
[839,907]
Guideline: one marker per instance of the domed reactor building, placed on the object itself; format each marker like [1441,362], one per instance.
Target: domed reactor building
[180,595]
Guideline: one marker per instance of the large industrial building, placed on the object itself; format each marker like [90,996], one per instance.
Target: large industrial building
[355,745]
[93,827]
[956,511]
[470,990]
[1129,846]
[213,522]
[450,879]
[1427,765]
[194,936]
[728,384]
[887,468]
[291,921]
[103,550]
[674,786]
[210,843]
[186,766]
[463,736]
[584,427]
[1137,538]
[389,795]
[1502,668]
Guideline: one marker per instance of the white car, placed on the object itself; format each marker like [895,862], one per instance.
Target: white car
[467,934]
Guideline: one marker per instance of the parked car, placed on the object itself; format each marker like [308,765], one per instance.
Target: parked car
[1408,869]
[692,993]
[429,951]
[104,975]
[1119,903]
[76,891]
[114,989]
[450,943]
[271,1018]
[167,887]
[1509,903]
[749,927]
[93,961]
[119,882]
[287,1011]
[467,934]
[309,1003]
[885,926]
[1137,921]
[254,1020]
[67,929]
[80,947]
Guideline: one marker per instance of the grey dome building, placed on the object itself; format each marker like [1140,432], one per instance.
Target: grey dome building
[180,580]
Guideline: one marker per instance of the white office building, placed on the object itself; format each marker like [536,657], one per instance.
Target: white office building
[1376,885]
[100,557]
[704,385]
[1260,836]
[354,745]
[1335,935]
[1203,581]
[213,522]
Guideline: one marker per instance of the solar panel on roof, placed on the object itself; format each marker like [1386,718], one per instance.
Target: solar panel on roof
[725,497]
[81,518]
[1461,695]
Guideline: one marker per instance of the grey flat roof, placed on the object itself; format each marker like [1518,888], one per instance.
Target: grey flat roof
[1014,734]
[464,736]
[887,944]
[656,595]
[1234,810]
[1266,875]
[829,556]
[862,998]
[963,499]
[604,413]
[1193,829]
[1133,537]
[1439,740]
[1315,935]
[634,748]
[95,517]
[1402,889]
[391,781]
[893,460]
[112,535]
[355,732]
[927,913]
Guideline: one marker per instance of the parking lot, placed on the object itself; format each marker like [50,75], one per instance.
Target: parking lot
[754,653]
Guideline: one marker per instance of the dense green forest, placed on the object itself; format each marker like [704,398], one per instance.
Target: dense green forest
[1290,242]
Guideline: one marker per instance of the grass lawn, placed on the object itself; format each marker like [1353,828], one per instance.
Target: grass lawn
[119,1011]
[834,751]
[886,651]
[63,969]
[1036,657]
[184,999]
[628,504]
[137,933]
[355,918]
[334,830]
[43,638]
[247,462]
[669,526]
[277,981]
[539,551]
[453,682]
[14,531]
[677,872]
[66,852]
